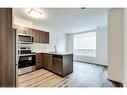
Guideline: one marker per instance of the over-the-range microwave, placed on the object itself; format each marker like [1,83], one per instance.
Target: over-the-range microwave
[25,38]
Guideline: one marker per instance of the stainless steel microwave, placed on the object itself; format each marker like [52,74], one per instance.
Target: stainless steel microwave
[25,38]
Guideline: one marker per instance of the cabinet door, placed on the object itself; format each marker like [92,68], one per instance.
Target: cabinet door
[44,61]
[29,31]
[36,36]
[49,64]
[20,29]
[34,33]
[40,36]
[47,61]
[50,67]
[38,61]
[46,37]
[43,37]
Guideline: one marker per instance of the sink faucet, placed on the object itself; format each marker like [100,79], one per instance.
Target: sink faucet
[55,48]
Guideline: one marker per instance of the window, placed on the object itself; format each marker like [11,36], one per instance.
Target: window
[85,44]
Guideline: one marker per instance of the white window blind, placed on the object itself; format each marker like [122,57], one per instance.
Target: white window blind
[85,44]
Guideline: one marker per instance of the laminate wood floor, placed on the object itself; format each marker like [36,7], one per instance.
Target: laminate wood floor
[84,75]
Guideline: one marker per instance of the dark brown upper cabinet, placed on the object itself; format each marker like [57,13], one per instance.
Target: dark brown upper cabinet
[39,35]
[29,31]
[46,40]
[20,29]
[36,36]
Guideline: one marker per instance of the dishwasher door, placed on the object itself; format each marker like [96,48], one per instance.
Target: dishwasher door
[58,64]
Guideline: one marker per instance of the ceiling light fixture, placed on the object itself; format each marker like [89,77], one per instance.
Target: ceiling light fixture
[35,13]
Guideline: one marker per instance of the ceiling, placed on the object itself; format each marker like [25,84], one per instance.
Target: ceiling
[68,20]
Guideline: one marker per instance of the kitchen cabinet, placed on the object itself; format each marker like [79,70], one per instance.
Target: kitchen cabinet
[38,60]
[45,37]
[41,36]
[24,30]
[36,36]
[47,61]
[29,31]
[60,64]
[20,29]
[49,66]
[44,61]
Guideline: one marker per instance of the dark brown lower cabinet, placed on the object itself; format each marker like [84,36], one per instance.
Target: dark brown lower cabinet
[49,66]
[47,61]
[59,64]
[44,61]
[38,60]
[67,64]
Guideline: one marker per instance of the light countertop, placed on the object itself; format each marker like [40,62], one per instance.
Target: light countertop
[56,53]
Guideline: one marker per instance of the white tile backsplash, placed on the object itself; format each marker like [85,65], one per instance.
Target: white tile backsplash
[39,47]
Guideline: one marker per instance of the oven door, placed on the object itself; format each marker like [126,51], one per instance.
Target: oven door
[26,64]
[26,61]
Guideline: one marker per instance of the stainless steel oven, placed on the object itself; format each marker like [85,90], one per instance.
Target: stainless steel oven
[26,63]
[26,59]
[24,51]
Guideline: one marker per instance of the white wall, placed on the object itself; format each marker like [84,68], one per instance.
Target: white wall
[125,47]
[56,38]
[69,43]
[101,46]
[115,45]
[61,42]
